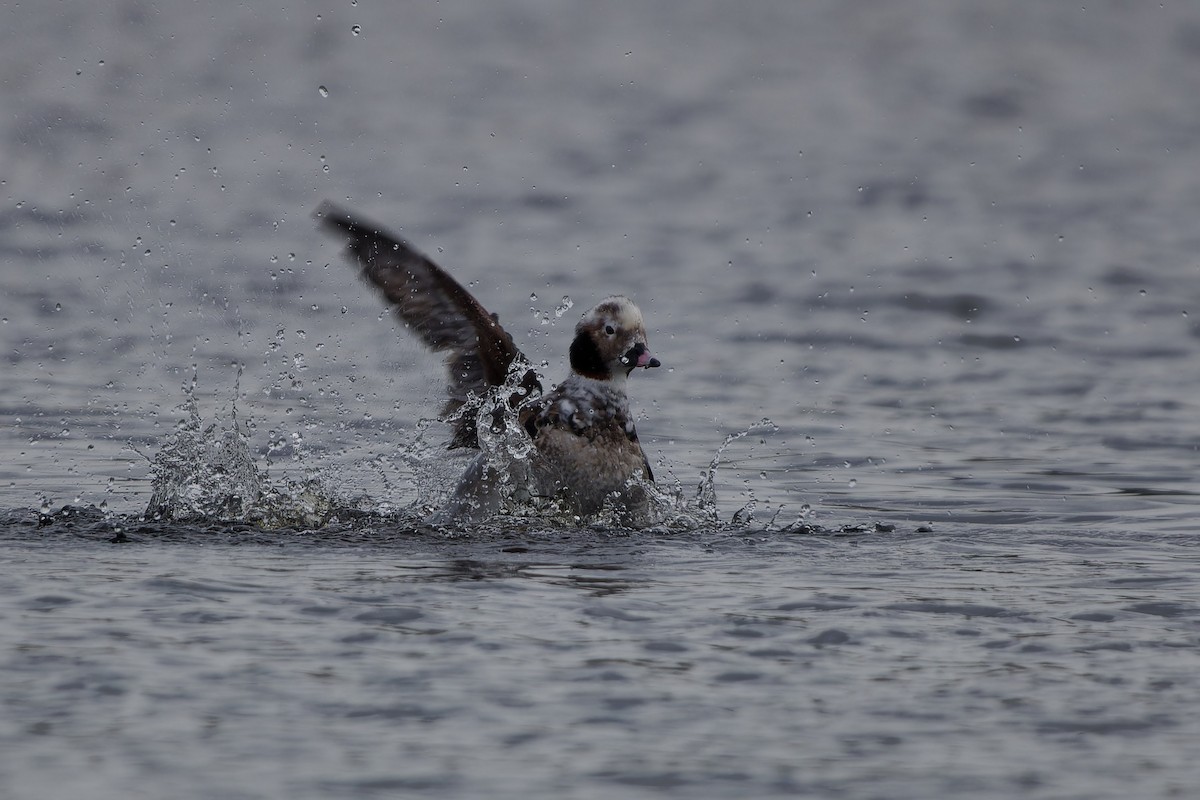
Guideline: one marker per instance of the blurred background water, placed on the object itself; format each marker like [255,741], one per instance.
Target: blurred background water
[950,250]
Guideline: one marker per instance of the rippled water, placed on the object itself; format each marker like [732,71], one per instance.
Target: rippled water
[950,252]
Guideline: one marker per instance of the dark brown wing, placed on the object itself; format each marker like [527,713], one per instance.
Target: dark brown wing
[436,307]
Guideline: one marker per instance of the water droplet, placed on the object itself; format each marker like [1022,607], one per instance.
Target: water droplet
[356,29]
[323,91]
[852,483]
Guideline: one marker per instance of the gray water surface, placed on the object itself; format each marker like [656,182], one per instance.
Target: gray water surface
[949,250]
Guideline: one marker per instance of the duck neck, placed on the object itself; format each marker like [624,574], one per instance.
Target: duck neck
[600,393]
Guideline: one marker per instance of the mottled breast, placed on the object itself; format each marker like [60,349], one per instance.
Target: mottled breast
[589,447]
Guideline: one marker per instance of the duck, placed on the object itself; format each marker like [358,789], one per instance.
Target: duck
[578,445]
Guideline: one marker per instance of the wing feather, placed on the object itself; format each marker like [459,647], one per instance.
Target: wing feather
[445,316]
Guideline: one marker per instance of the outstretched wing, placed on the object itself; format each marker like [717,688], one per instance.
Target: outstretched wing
[437,308]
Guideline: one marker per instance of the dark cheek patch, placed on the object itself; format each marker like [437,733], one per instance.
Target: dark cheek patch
[585,358]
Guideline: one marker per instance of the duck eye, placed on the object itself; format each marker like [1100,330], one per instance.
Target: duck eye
[610,330]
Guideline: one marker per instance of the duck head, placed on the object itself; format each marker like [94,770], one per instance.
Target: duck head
[610,341]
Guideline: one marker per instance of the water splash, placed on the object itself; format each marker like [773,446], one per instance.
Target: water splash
[206,471]
[500,478]
[435,470]
[706,493]
[505,463]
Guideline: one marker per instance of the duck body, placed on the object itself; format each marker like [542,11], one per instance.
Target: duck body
[579,442]
[584,433]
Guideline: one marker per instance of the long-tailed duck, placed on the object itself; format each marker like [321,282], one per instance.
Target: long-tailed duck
[585,449]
